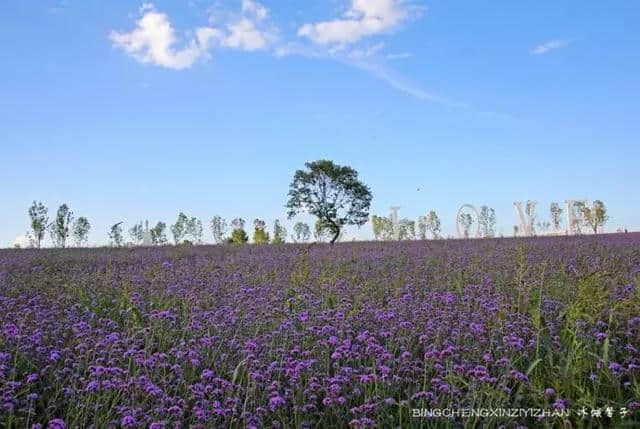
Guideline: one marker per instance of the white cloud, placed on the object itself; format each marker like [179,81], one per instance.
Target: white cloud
[255,9]
[364,18]
[549,46]
[154,40]
[247,35]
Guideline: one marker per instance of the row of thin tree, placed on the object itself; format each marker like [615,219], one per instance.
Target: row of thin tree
[65,228]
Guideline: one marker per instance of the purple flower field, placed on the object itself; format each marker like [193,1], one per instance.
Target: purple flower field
[354,335]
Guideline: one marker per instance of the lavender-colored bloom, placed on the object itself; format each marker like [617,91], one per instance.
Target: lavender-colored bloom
[276,402]
[560,404]
[56,424]
[128,422]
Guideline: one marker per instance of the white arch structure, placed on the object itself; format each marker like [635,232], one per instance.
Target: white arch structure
[476,220]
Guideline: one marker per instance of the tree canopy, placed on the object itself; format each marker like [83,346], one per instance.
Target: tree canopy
[332,193]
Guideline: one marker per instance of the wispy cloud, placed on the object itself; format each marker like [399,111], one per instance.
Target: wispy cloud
[404,85]
[400,56]
[549,46]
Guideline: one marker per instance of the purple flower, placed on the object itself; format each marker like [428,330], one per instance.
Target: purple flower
[56,424]
[615,367]
[560,404]
[276,402]
[364,422]
[476,328]
[10,331]
[549,392]
[128,421]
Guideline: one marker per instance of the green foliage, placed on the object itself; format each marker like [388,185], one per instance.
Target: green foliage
[81,228]
[60,228]
[39,219]
[332,193]
[193,228]
[556,215]
[595,216]
[218,229]
[136,232]
[466,220]
[407,229]
[239,236]
[260,236]
[115,235]
[179,229]
[487,221]
[433,224]
[158,234]
[279,233]
[302,232]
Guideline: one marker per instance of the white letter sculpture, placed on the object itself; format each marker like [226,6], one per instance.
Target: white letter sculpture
[395,223]
[526,226]
[146,235]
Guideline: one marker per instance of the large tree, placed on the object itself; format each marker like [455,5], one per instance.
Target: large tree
[39,219]
[61,226]
[332,193]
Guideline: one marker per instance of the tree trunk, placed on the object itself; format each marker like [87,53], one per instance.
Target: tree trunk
[336,234]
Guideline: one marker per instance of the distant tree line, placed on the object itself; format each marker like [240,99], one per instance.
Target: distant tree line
[330,192]
[60,229]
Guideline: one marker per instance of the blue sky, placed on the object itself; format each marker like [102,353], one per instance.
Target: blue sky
[130,111]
